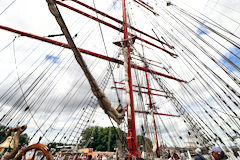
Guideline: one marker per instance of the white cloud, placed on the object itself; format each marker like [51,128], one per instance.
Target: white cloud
[34,17]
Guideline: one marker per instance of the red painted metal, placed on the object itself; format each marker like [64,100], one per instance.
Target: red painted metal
[155,113]
[145,4]
[155,72]
[114,27]
[86,52]
[147,7]
[132,142]
[145,87]
[150,43]
[120,88]
[120,22]
[148,62]
[151,108]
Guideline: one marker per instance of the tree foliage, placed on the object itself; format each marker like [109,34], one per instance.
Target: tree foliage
[99,138]
[2,134]
[23,139]
[54,145]
[145,141]
[105,139]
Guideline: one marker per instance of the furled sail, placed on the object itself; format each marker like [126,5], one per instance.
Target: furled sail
[116,114]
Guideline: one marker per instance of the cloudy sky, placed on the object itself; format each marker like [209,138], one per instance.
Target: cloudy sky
[46,78]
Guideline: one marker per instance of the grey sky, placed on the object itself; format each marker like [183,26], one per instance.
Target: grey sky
[34,17]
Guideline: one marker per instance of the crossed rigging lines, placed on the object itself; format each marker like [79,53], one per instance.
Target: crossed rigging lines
[180,42]
[219,98]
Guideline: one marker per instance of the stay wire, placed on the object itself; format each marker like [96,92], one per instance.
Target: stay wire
[64,104]
[42,93]
[14,88]
[67,95]
[8,7]
[50,85]
[175,128]
[208,34]
[8,44]
[88,114]
[141,102]
[212,21]
[95,101]
[218,33]
[200,118]
[214,118]
[218,115]
[25,80]
[232,9]
[230,88]
[103,40]
[221,100]
[118,135]
[49,88]
[80,113]
[37,81]
[235,55]
[155,77]
[200,68]
[20,99]
[24,59]
[108,75]
[16,67]
[218,96]
[205,52]
[72,113]
[142,59]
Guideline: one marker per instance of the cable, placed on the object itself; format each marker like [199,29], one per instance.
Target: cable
[8,7]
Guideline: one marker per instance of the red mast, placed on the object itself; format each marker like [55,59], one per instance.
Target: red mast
[151,110]
[132,138]
[126,44]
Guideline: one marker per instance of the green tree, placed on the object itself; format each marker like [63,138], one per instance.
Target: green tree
[23,139]
[100,138]
[54,145]
[106,139]
[145,141]
[2,134]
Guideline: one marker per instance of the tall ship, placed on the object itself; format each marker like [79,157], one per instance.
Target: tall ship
[162,76]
